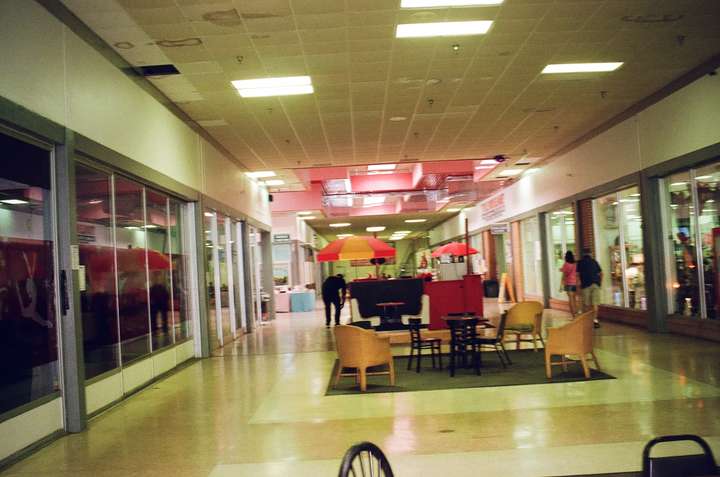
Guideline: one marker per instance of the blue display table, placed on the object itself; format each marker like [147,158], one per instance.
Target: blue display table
[302,301]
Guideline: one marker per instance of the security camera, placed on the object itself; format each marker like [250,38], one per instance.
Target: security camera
[500,158]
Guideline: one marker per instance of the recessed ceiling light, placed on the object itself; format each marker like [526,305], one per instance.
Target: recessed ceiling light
[419,30]
[307,217]
[209,214]
[151,226]
[14,201]
[453,209]
[378,228]
[402,232]
[381,167]
[342,236]
[446,3]
[678,184]
[702,178]
[132,227]
[260,174]
[281,86]
[341,224]
[510,172]
[274,182]
[95,201]
[305,212]
[396,119]
[488,162]
[415,221]
[581,67]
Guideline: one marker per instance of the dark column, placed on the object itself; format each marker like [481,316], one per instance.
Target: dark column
[71,331]
[654,252]
[544,247]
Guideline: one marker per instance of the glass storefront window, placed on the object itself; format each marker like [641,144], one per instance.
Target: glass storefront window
[561,238]
[210,225]
[683,273]
[619,248]
[532,257]
[180,267]
[130,236]
[98,297]
[707,182]
[159,263]
[28,324]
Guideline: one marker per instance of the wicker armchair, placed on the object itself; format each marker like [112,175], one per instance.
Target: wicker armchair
[360,349]
[525,318]
[573,339]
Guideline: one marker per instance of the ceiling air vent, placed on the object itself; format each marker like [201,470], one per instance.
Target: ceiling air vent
[158,70]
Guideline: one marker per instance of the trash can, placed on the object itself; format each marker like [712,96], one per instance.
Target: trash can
[492,288]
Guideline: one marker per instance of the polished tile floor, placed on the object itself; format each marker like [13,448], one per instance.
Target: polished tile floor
[258,409]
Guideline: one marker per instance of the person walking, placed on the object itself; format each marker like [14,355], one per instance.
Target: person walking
[333,293]
[590,281]
[568,281]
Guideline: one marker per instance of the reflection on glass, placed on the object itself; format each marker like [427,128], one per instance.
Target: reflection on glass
[532,258]
[619,248]
[180,266]
[132,273]
[28,334]
[634,257]
[707,181]
[158,262]
[223,268]
[561,225]
[210,226]
[98,299]
[684,273]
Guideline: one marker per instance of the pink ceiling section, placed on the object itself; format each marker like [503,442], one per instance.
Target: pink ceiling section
[381,182]
[419,187]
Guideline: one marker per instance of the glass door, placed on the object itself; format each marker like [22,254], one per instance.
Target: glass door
[561,238]
[28,321]
[238,260]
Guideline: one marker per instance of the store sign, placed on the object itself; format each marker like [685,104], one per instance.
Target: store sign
[493,208]
[499,229]
[281,238]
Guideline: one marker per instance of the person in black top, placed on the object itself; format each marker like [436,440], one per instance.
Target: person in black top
[333,292]
[590,281]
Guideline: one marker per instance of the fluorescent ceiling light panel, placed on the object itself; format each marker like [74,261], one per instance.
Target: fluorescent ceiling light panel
[274,182]
[488,162]
[341,224]
[402,232]
[342,236]
[453,209]
[307,217]
[305,212]
[420,30]
[260,174]
[510,172]
[415,221]
[14,201]
[381,167]
[378,228]
[209,214]
[447,3]
[373,200]
[281,86]
[581,67]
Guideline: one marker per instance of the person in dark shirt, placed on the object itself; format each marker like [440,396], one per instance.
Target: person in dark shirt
[333,293]
[590,275]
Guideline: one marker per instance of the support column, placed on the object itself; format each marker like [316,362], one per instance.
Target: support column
[71,330]
[544,262]
[247,269]
[201,283]
[654,252]
[267,272]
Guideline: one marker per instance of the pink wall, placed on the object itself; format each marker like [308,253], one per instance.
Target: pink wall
[297,201]
[382,182]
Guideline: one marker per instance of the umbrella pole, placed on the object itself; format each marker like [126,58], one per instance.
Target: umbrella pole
[377,265]
[468,265]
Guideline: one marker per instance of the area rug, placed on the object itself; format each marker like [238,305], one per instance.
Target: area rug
[528,368]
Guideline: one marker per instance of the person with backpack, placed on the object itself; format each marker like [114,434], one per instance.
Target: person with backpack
[590,275]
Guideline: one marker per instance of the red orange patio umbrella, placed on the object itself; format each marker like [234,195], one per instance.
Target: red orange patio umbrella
[454,248]
[355,248]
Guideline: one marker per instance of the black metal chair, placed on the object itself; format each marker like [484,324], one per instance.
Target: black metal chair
[365,459]
[682,465]
[463,334]
[496,342]
[418,343]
